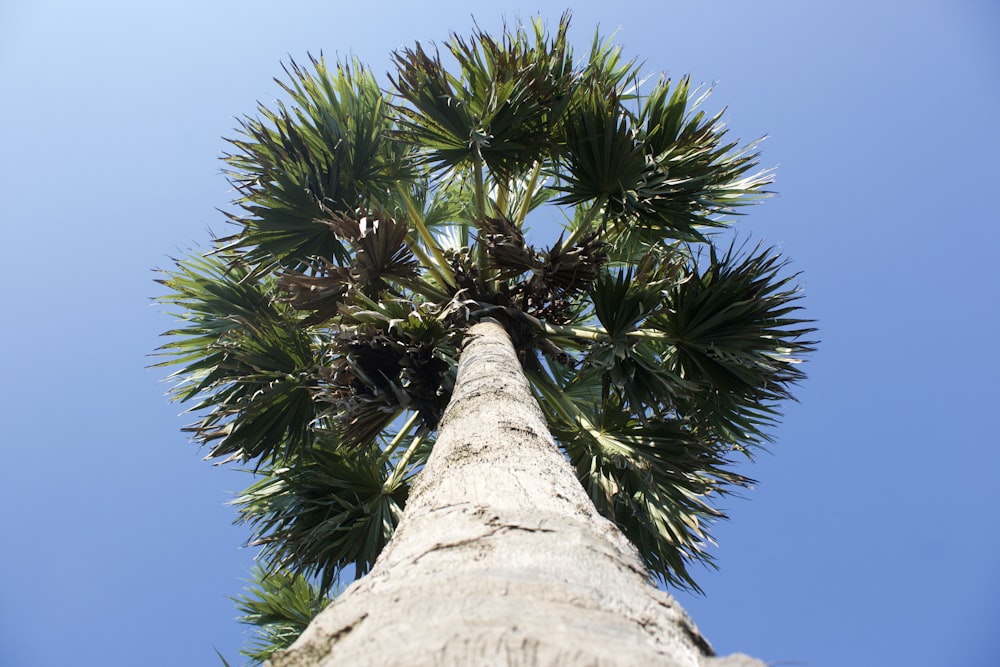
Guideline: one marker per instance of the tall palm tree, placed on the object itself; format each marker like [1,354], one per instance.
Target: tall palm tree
[381,291]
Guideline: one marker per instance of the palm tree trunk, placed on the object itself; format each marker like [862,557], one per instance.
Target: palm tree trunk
[500,557]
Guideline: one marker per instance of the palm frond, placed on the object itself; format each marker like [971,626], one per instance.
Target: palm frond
[279,605]
[502,108]
[244,361]
[328,154]
[652,477]
[602,161]
[663,171]
[696,177]
[734,332]
[606,68]
[330,509]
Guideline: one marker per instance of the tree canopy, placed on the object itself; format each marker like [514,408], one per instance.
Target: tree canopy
[317,344]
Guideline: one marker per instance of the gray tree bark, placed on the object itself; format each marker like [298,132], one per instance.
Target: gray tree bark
[500,557]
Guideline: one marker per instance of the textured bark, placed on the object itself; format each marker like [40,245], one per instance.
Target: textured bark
[501,558]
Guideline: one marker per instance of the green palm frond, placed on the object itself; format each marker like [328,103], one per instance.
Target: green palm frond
[602,161]
[654,480]
[701,176]
[653,477]
[661,170]
[329,509]
[279,605]
[502,109]
[623,300]
[440,121]
[244,361]
[329,154]
[606,68]
[629,354]
[447,203]
[212,300]
[733,330]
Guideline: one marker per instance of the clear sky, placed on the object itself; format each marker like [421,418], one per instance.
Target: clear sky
[872,538]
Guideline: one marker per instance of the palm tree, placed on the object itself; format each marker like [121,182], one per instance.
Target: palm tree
[520,439]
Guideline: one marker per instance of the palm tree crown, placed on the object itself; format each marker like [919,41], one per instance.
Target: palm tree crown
[318,344]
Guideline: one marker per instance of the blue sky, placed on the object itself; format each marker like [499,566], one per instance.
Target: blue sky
[871,538]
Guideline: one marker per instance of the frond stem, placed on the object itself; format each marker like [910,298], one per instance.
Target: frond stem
[567,409]
[441,269]
[404,460]
[588,221]
[529,193]
[425,260]
[400,435]
[479,202]
[503,190]
[423,288]
[596,333]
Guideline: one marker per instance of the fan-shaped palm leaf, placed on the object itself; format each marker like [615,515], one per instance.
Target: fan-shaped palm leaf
[244,360]
[329,154]
[501,110]
[279,605]
[733,331]
[327,512]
